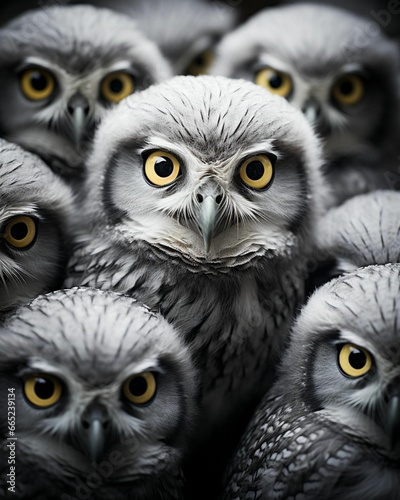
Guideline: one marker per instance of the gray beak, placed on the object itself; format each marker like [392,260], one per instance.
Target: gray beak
[78,107]
[312,111]
[209,197]
[94,432]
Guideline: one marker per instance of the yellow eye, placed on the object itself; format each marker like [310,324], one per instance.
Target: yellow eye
[116,86]
[348,90]
[161,168]
[201,64]
[277,82]
[20,231]
[42,390]
[37,84]
[140,389]
[257,172]
[354,361]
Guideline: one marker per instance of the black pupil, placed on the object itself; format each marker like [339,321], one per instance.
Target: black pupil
[163,167]
[138,386]
[38,81]
[255,170]
[346,88]
[275,81]
[357,359]
[116,86]
[19,231]
[44,388]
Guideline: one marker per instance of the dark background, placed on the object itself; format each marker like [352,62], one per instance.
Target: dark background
[11,8]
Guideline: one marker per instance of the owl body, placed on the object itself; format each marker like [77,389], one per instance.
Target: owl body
[104,396]
[61,69]
[222,261]
[37,227]
[341,71]
[329,427]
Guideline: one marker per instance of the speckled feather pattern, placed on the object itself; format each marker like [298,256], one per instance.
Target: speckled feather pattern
[299,446]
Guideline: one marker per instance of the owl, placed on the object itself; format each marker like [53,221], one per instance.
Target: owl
[341,71]
[186,32]
[61,68]
[103,392]
[202,196]
[329,428]
[37,227]
[364,230]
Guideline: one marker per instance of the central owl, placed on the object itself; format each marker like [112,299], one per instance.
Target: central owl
[201,198]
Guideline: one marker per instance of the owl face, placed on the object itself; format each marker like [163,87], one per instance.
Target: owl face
[63,67]
[36,226]
[347,342]
[206,169]
[334,66]
[84,395]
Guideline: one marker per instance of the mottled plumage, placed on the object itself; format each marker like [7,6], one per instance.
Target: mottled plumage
[104,396]
[221,260]
[341,71]
[37,213]
[60,69]
[329,428]
[364,230]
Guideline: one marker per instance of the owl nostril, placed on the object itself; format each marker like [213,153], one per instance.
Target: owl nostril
[218,199]
[200,198]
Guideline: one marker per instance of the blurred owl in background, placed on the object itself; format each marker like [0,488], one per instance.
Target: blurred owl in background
[341,71]
[330,427]
[185,31]
[61,68]
[37,212]
[104,393]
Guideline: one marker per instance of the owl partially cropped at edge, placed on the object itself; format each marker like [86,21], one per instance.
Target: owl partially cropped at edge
[37,227]
[61,68]
[104,394]
[341,71]
[202,195]
[330,427]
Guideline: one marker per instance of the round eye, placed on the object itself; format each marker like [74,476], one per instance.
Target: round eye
[20,231]
[257,172]
[161,168]
[201,64]
[140,389]
[354,361]
[348,90]
[37,84]
[42,390]
[274,81]
[116,86]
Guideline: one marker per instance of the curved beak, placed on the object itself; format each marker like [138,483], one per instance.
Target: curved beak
[311,111]
[78,107]
[94,432]
[393,416]
[209,197]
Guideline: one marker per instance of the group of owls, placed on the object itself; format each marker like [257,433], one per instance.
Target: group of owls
[200,274]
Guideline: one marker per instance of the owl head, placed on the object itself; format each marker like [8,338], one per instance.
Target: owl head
[186,32]
[61,68]
[101,384]
[207,170]
[335,66]
[36,226]
[345,348]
